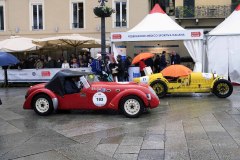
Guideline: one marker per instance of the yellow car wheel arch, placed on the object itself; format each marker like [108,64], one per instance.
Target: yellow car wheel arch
[160,88]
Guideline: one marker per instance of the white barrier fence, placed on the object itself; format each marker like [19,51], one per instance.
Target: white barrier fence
[34,75]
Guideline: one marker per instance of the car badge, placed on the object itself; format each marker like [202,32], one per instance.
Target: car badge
[102,90]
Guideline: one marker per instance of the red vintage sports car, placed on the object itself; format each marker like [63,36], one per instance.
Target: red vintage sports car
[129,97]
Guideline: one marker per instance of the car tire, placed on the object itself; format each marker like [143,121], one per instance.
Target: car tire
[160,88]
[222,88]
[42,105]
[131,106]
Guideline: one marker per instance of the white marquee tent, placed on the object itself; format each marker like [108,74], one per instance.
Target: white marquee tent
[158,26]
[223,47]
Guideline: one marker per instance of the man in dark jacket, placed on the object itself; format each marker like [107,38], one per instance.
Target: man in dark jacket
[51,63]
[163,62]
[149,62]
[121,68]
[175,58]
[156,64]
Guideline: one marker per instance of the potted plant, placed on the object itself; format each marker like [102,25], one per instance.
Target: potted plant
[103,11]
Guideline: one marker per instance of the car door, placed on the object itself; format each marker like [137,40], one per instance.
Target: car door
[99,95]
[73,101]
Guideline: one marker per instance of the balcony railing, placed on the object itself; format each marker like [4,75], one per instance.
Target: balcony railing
[203,12]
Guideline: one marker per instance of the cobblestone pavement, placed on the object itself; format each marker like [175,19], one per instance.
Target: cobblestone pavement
[183,127]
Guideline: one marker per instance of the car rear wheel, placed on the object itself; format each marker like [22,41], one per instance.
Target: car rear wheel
[42,105]
[222,88]
[160,88]
[132,106]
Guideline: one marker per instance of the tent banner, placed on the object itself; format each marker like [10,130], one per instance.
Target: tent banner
[157,36]
[34,75]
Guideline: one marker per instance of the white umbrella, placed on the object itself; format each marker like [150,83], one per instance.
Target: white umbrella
[73,40]
[17,44]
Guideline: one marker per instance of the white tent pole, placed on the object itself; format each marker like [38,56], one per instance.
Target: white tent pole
[228,76]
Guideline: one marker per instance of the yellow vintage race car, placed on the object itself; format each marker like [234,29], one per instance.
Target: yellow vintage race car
[195,82]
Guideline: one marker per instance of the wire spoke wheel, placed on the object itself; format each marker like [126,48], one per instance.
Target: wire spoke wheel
[160,88]
[222,88]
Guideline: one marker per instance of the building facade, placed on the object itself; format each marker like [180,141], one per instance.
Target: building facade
[202,14]
[44,18]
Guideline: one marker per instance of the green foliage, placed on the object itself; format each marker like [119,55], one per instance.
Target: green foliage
[103,11]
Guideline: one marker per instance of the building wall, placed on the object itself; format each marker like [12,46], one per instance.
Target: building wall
[57,18]
[213,2]
[205,2]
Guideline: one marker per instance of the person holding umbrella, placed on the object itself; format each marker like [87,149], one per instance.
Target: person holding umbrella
[140,60]
[6,60]
[142,65]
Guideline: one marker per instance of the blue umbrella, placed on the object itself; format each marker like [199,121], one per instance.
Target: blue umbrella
[7,59]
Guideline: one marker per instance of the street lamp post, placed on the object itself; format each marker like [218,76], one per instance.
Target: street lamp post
[103,32]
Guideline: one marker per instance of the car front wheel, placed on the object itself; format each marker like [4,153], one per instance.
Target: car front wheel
[132,106]
[222,88]
[160,88]
[42,105]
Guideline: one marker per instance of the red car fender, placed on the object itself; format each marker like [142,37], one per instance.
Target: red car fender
[28,102]
[114,104]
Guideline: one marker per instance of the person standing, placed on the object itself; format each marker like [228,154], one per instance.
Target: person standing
[142,65]
[163,62]
[38,64]
[74,63]
[65,64]
[127,64]
[149,63]
[157,64]
[121,68]
[96,65]
[50,63]
[175,58]
[108,69]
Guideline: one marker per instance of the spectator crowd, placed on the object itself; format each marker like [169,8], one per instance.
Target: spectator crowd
[74,61]
[120,67]
[115,69]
